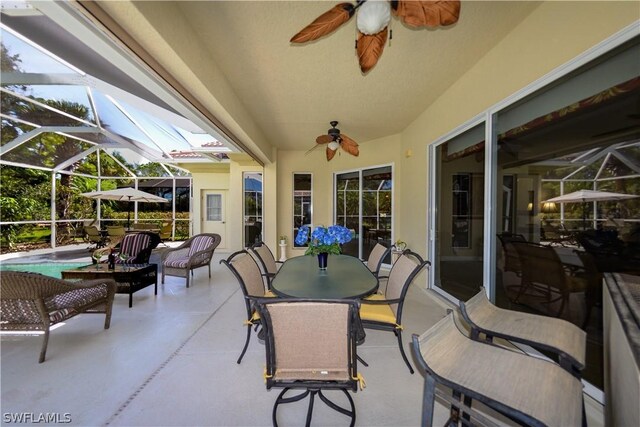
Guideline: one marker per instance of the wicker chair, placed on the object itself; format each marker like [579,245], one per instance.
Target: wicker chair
[563,339]
[33,302]
[134,248]
[246,270]
[528,390]
[384,312]
[193,253]
[266,260]
[311,345]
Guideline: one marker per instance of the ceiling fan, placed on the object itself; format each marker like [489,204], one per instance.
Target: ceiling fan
[334,140]
[373,22]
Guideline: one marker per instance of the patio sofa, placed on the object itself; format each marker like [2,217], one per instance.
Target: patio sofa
[34,302]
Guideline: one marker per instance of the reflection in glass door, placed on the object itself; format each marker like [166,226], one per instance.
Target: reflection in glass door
[459,219]
[252,183]
[364,205]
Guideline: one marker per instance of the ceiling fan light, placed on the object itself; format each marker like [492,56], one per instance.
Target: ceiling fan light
[373,16]
[333,145]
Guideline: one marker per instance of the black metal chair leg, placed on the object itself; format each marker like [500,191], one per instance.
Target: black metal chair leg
[310,408]
[361,360]
[246,344]
[404,356]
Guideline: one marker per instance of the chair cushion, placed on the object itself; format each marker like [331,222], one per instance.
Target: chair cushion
[377,312]
[200,243]
[176,262]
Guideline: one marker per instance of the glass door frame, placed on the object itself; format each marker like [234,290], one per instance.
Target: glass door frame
[360,192]
[432,210]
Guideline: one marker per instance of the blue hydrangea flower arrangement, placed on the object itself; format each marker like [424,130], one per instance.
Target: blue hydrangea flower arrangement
[323,239]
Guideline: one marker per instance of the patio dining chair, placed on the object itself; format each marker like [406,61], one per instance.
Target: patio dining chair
[527,390]
[246,270]
[545,279]
[311,345]
[194,253]
[266,260]
[384,312]
[561,338]
[376,258]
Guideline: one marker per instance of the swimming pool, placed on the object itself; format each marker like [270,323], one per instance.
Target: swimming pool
[53,269]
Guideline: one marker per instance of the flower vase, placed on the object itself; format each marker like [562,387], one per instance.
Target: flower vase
[322,260]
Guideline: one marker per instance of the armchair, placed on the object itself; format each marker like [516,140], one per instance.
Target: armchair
[384,312]
[311,345]
[527,390]
[30,301]
[136,246]
[559,337]
[193,253]
[245,268]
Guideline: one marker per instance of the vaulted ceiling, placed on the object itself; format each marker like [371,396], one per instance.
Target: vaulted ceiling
[292,91]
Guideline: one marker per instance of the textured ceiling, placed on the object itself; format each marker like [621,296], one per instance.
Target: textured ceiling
[293,91]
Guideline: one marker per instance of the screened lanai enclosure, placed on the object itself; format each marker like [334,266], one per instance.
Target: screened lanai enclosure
[70,128]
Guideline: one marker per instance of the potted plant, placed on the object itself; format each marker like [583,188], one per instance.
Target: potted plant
[400,245]
[323,241]
[283,240]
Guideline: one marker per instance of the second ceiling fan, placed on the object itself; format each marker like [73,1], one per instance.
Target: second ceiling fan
[334,140]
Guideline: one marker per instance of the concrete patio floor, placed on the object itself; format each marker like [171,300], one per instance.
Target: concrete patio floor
[170,360]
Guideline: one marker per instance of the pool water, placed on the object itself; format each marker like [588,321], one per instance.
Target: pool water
[53,269]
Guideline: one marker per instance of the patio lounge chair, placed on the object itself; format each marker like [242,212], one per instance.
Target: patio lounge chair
[246,270]
[33,302]
[116,233]
[93,235]
[311,345]
[384,312]
[193,253]
[528,390]
[564,339]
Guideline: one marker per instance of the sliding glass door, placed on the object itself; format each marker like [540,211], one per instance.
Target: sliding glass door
[363,204]
[459,219]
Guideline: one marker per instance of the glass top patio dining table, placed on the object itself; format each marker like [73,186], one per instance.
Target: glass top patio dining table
[345,277]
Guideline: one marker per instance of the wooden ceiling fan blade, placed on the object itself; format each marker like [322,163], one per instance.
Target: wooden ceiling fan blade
[324,139]
[425,13]
[370,48]
[349,145]
[325,23]
[330,153]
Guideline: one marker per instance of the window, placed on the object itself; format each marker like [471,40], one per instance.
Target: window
[214,207]
[252,183]
[363,204]
[302,203]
